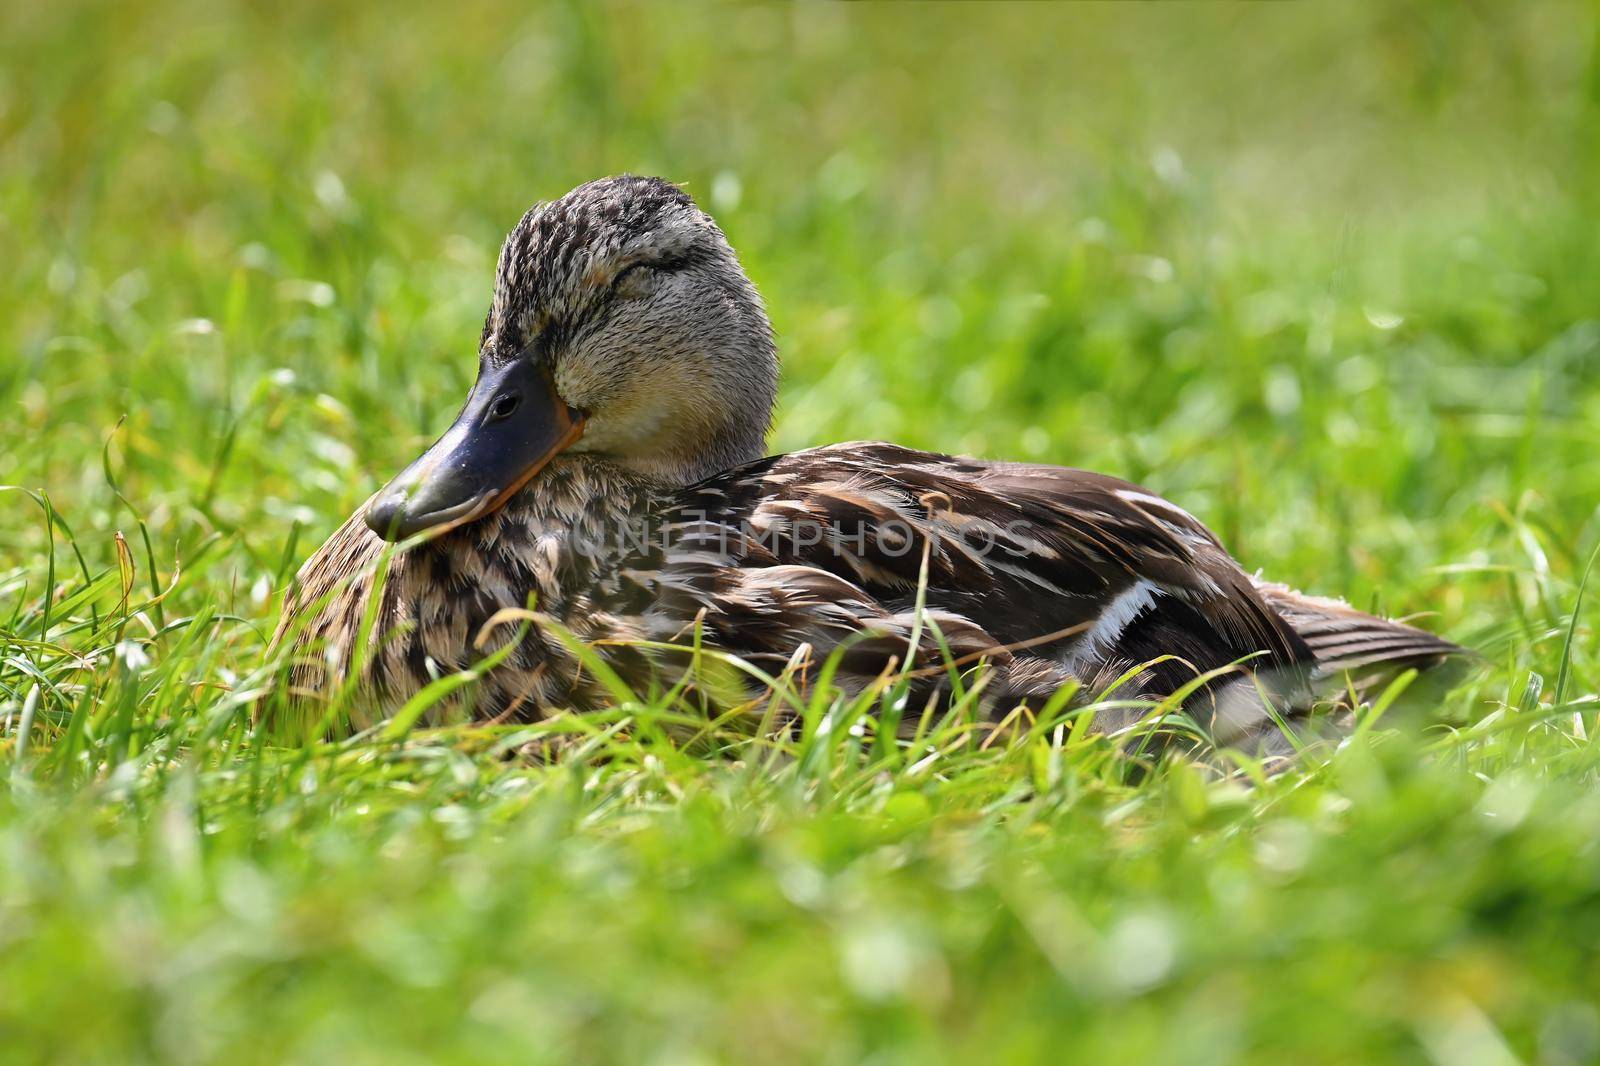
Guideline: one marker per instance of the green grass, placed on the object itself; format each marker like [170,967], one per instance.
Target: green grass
[1326,275]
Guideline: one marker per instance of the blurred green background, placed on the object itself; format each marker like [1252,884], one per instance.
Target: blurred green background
[1326,274]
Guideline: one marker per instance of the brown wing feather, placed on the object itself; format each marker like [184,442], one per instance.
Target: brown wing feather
[1015,554]
[1347,640]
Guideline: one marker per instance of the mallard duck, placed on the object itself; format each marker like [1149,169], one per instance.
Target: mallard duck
[609,468]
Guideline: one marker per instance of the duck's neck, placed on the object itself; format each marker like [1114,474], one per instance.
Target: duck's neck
[719,449]
[568,526]
[573,489]
[579,495]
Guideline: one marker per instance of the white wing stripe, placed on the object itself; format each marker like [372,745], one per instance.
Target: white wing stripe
[1128,605]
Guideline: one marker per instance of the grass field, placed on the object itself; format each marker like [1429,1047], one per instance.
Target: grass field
[1327,275]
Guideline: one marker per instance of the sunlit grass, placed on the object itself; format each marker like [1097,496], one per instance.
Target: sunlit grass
[1324,275]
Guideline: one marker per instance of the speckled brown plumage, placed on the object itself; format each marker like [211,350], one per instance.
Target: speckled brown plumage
[1051,576]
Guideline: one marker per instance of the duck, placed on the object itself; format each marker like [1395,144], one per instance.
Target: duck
[607,478]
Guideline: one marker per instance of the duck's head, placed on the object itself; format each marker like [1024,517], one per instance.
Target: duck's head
[623,328]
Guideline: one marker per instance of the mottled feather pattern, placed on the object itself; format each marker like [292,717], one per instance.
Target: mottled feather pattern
[438,597]
[556,262]
[1014,553]
[660,524]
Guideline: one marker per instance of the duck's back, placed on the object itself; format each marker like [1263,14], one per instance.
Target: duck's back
[1055,575]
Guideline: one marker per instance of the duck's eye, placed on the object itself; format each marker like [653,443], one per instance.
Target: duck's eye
[504,406]
[634,281]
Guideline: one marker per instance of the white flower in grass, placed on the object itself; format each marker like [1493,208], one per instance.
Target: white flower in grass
[132,656]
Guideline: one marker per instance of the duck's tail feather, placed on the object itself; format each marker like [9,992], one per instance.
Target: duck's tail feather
[1348,642]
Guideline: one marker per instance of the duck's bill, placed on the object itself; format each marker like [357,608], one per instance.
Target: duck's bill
[512,425]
